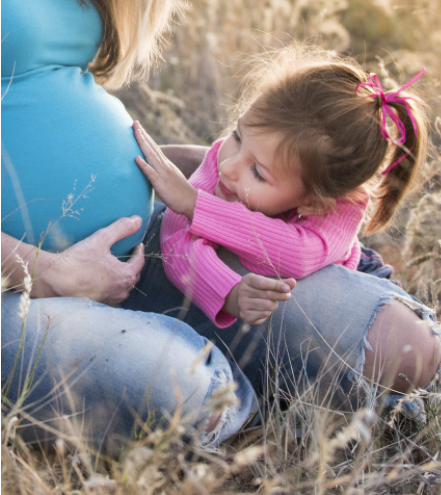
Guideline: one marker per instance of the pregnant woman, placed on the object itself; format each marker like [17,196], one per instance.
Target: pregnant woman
[67,173]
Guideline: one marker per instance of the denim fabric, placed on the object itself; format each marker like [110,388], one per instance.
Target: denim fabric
[104,371]
[371,262]
[320,331]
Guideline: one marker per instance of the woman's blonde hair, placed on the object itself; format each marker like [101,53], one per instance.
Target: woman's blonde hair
[132,39]
[309,97]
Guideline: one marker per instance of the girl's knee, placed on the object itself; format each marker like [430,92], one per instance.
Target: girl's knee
[405,352]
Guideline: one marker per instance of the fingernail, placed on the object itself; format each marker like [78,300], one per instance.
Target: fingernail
[286,288]
[137,220]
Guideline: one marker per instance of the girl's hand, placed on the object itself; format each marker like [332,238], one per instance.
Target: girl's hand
[88,269]
[169,182]
[256,297]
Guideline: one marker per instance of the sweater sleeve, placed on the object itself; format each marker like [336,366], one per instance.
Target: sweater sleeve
[190,262]
[192,265]
[273,246]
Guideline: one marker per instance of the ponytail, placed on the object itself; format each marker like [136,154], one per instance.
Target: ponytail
[403,160]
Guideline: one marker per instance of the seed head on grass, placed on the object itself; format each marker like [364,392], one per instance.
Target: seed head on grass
[27,287]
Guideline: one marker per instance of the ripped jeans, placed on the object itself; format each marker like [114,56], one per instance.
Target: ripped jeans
[317,337]
[104,372]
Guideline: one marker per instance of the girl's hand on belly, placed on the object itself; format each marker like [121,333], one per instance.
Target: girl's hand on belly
[169,182]
[88,269]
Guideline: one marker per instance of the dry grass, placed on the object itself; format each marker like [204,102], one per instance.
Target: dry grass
[305,449]
[187,102]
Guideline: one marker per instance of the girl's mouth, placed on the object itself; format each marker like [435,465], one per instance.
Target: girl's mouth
[226,192]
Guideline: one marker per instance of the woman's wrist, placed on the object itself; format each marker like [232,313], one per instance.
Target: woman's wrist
[18,259]
[44,283]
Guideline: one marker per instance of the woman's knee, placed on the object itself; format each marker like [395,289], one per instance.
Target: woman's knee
[125,361]
[405,351]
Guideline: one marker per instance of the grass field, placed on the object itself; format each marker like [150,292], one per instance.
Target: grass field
[304,448]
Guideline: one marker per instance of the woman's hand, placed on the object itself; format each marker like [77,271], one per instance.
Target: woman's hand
[256,297]
[169,182]
[86,269]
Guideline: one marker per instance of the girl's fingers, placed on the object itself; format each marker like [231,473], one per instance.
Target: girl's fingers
[260,287]
[152,153]
[255,317]
[147,169]
[262,305]
[144,145]
[152,144]
[142,163]
[269,294]
[142,134]
[289,281]
[264,283]
[146,138]
[149,140]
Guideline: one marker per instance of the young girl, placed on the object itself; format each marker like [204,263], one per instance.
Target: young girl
[287,189]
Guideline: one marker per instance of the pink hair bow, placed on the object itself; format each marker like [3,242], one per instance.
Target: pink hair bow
[387,98]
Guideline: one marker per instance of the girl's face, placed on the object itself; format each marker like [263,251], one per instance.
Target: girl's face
[248,174]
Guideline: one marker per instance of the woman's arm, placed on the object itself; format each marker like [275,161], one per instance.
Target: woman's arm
[12,270]
[86,269]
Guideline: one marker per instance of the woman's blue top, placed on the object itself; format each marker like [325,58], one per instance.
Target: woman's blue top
[68,148]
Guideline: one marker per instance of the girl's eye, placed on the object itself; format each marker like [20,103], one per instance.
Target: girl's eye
[257,175]
[236,136]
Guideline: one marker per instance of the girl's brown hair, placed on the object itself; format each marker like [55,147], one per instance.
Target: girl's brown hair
[309,97]
[132,38]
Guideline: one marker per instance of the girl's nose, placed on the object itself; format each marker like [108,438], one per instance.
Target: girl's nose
[229,168]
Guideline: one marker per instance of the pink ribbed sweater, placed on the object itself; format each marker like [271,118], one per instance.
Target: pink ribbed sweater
[276,247]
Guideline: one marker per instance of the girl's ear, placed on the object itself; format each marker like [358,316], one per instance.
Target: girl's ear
[316,206]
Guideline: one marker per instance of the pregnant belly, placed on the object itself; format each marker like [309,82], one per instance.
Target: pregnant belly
[68,161]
